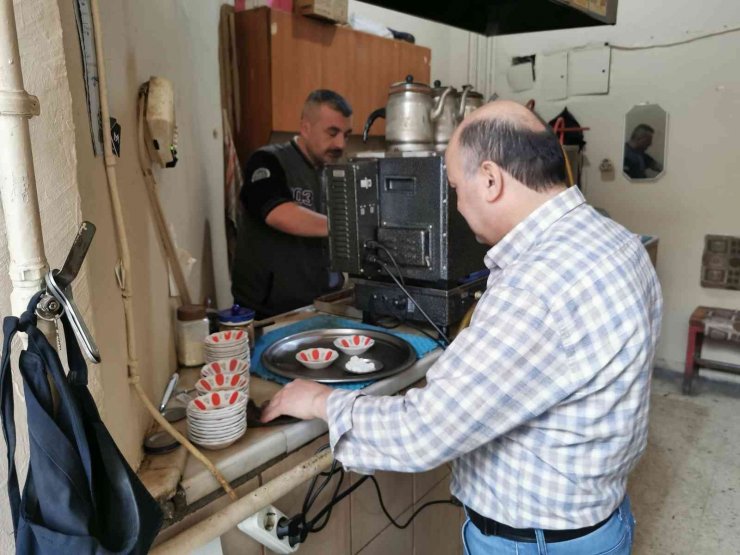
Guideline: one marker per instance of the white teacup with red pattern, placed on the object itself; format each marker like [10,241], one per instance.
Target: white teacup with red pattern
[354,344]
[225,366]
[316,358]
[221,382]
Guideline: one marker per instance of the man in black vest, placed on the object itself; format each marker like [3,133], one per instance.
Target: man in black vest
[282,260]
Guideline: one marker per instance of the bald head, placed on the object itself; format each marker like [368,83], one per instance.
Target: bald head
[514,138]
[507,111]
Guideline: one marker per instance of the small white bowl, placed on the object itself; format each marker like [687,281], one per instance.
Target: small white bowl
[221,382]
[225,366]
[219,401]
[230,338]
[316,358]
[354,344]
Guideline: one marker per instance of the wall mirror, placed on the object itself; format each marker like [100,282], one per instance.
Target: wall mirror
[645,136]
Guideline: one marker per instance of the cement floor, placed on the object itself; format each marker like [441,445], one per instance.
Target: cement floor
[686,488]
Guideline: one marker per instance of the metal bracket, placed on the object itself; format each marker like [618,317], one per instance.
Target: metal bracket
[19,103]
[59,285]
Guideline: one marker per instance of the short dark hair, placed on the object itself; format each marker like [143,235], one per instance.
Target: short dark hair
[641,130]
[535,158]
[332,99]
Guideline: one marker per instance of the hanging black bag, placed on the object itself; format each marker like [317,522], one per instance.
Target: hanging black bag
[80,495]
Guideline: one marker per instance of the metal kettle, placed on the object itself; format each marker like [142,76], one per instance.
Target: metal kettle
[446,99]
[409,113]
[470,101]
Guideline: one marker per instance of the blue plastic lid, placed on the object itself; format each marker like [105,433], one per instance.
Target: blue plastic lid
[236,315]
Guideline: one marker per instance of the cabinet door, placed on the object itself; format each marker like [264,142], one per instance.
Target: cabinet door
[415,60]
[338,63]
[377,68]
[380,63]
[253,61]
[297,45]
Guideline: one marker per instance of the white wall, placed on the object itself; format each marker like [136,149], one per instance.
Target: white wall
[42,57]
[174,39]
[699,85]
[179,41]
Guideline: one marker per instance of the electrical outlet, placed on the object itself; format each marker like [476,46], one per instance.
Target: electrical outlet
[262,526]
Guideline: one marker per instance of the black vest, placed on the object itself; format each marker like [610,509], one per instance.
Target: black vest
[275,272]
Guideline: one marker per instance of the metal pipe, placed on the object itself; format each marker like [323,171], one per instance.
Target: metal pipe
[28,264]
[227,518]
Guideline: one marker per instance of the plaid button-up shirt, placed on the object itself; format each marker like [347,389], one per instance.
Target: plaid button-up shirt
[542,402]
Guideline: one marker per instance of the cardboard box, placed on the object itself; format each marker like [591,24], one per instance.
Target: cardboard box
[604,9]
[282,5]
[328,10]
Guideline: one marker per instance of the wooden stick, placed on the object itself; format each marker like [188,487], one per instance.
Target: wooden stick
[159,219]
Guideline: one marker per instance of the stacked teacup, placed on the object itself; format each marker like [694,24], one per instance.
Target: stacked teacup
[218,417]
[220,375]
[226,344]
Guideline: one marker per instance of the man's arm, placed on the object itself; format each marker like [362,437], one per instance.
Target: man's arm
[294,219]
[506,369]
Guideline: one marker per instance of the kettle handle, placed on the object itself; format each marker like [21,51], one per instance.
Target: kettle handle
[437,108]
[463,98]
[379,113]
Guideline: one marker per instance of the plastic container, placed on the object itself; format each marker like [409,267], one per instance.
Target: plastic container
[192,329]
[237,317]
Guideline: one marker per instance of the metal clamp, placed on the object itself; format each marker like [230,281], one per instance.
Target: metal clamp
[19,103]
[59,286]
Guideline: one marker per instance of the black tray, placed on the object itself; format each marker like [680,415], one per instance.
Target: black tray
[395,353]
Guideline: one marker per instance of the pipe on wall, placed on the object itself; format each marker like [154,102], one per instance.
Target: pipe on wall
[227,518]
[28,264]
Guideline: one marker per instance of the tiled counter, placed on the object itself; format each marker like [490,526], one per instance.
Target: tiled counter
[190,493]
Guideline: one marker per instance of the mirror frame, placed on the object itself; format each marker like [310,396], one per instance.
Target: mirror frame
[665,145]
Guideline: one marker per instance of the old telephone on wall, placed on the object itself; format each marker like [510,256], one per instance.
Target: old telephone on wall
[160,131]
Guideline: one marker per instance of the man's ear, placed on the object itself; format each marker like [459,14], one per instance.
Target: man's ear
[495,180]
[305,127]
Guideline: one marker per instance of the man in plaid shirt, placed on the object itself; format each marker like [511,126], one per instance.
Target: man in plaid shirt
[541,404]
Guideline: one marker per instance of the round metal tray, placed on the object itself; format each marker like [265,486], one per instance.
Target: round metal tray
[395,354]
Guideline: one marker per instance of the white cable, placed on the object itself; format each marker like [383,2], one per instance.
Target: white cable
[676,43]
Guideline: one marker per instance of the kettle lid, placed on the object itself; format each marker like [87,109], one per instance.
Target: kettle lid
[439,88]
[472,93]
[408,85]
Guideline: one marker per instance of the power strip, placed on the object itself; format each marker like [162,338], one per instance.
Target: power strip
[262,526]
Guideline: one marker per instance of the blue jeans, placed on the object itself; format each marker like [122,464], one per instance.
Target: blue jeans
[613,538]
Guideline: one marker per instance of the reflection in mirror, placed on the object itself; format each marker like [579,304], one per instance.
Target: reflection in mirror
[646,128]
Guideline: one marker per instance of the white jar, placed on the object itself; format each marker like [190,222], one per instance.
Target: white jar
[192,330]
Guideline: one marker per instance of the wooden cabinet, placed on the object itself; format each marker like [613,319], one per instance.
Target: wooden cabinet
[282,57]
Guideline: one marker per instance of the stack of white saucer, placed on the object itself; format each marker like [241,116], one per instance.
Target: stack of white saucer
[226,344]
[217,419]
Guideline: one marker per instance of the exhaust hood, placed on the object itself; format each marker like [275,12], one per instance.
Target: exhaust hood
[506,17]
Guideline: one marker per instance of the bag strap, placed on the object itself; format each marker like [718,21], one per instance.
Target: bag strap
[11,326]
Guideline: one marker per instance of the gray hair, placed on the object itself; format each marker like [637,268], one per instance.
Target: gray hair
[534,158]
[334,100]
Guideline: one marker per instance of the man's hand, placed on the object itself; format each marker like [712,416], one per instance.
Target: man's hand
[300,398]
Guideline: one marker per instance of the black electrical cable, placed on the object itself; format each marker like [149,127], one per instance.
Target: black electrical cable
[415,513]
[411,298]
[381,246]
[437,340]
[298,527]
[402,284]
